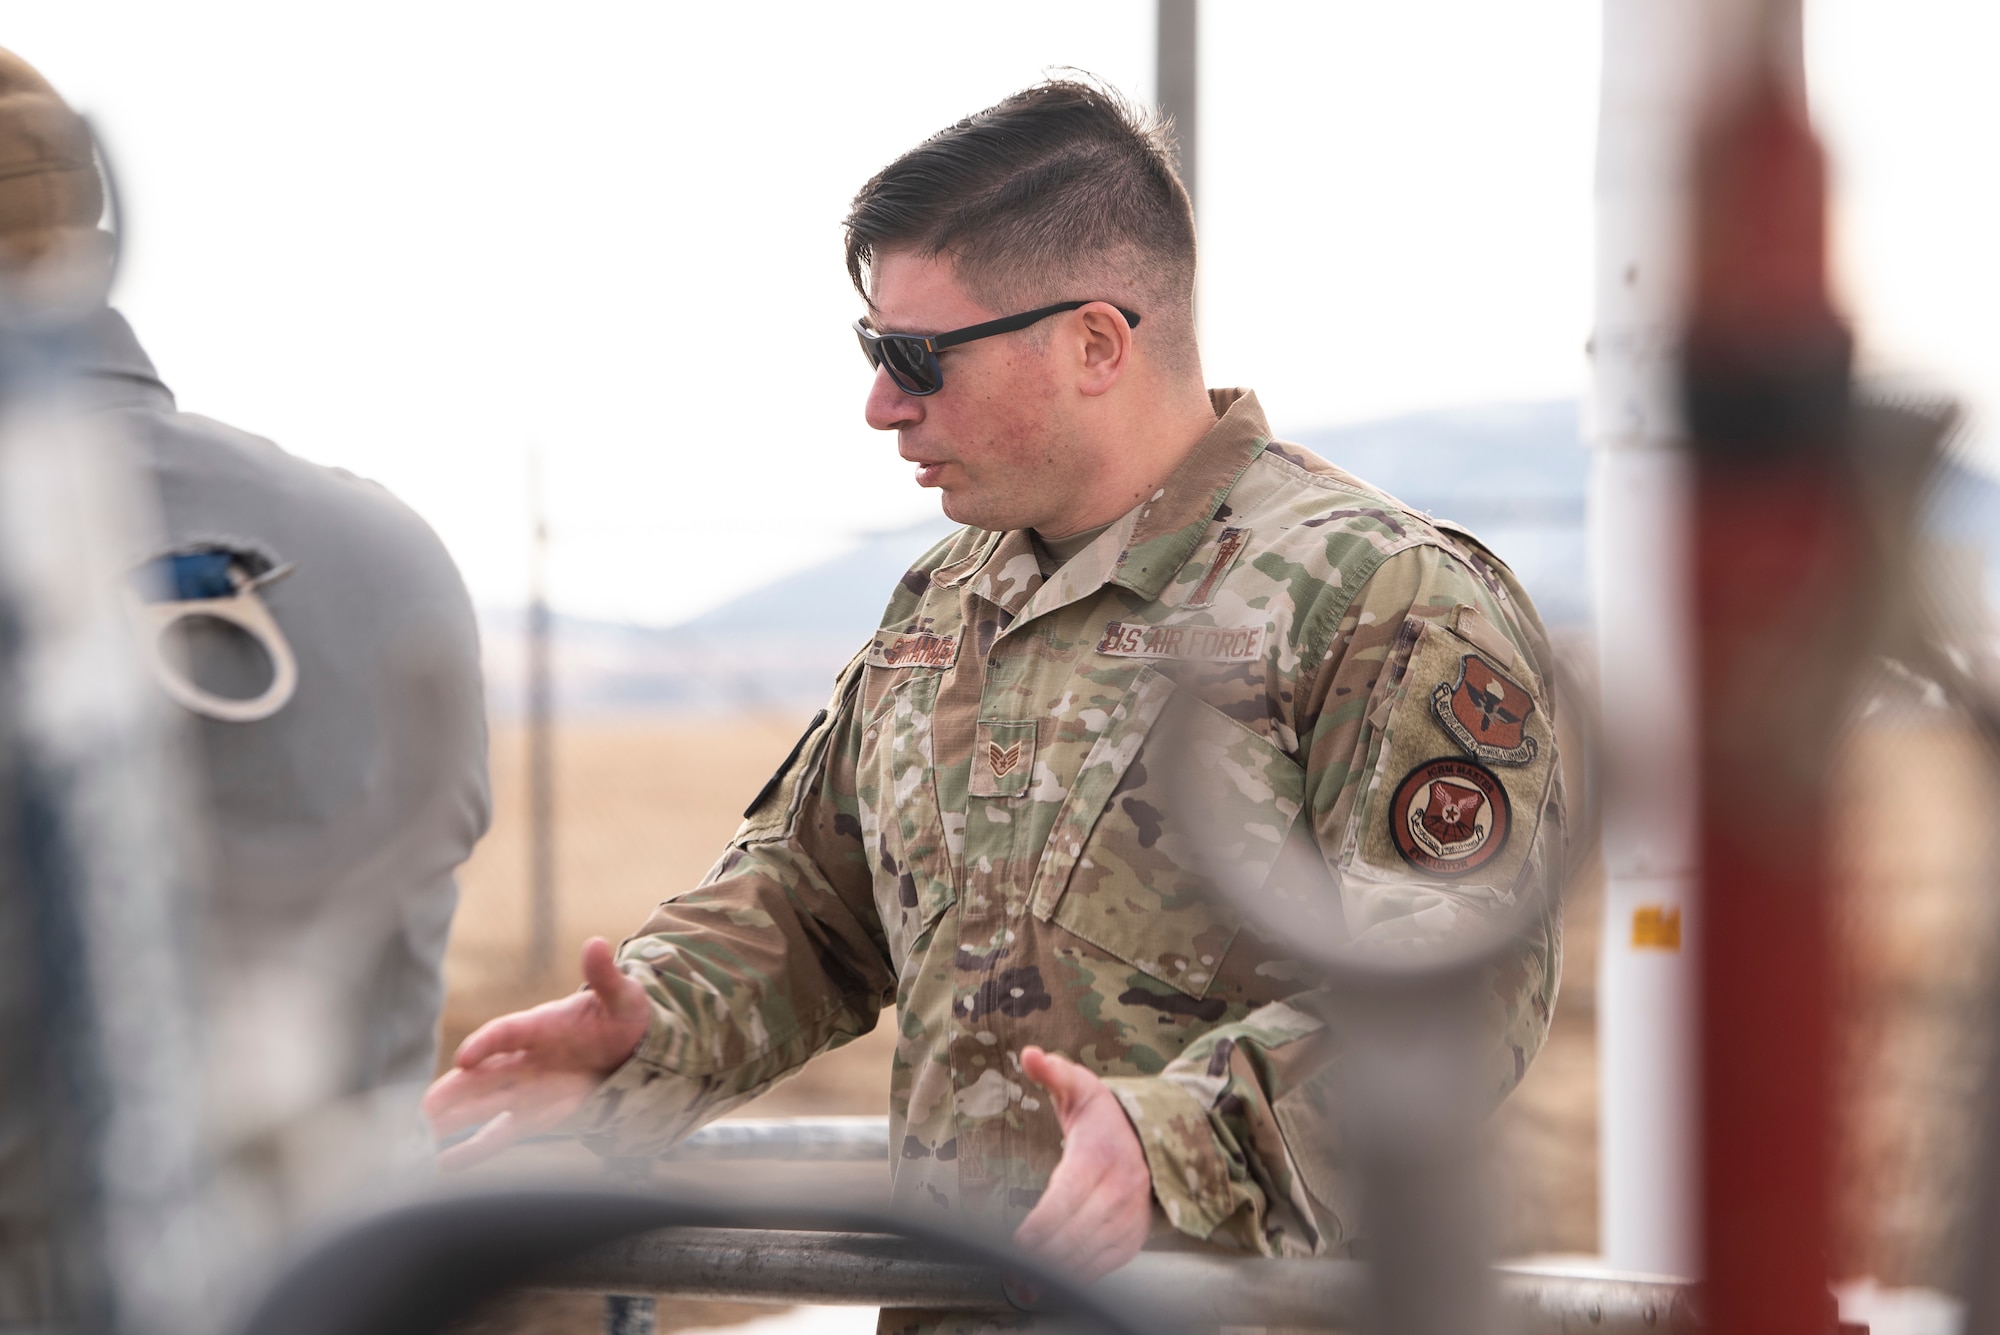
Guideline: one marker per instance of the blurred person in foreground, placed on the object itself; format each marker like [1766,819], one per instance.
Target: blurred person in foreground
[980,828]
[322,647]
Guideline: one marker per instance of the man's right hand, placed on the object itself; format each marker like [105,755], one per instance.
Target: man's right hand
[527,1072]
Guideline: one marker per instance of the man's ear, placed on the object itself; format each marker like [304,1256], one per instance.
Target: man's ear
[1108,346]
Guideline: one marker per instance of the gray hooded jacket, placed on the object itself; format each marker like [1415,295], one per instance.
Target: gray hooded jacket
[338,821]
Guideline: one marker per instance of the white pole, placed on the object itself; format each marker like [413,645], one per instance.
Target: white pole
[1665,63]
[541,740]
[1638,498]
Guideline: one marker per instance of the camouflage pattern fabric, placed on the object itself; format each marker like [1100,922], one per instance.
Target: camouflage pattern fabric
[982,832]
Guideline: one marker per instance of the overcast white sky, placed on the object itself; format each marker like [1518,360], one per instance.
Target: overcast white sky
[414,238]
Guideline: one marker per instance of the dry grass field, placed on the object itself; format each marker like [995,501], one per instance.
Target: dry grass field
[644,805]
[643,808]
[1919,853]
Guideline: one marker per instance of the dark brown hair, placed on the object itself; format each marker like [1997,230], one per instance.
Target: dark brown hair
[1063,185]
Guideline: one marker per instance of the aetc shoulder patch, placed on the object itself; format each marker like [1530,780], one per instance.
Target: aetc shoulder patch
[1485,712]
[1450,816]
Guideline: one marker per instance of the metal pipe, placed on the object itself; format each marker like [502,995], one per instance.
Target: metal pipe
[782,1266]
[820,1139]
[878,1270]
[1551,1301]
[838,1269]
[411,1268]
[762,1140]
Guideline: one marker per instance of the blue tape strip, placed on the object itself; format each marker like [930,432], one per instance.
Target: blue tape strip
[195,575]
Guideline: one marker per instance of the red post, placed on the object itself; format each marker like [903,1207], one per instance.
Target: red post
[1777,580]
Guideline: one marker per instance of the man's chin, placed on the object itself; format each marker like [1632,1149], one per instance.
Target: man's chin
[960,508]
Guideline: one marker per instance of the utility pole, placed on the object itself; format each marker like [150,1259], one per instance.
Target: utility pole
[1649,108]
[541,740]
[1176,82]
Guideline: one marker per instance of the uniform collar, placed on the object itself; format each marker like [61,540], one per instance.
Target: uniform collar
[1170,525]
[1145,548]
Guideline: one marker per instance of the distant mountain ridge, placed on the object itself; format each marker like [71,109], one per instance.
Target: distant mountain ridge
[844,596]
[1515,475]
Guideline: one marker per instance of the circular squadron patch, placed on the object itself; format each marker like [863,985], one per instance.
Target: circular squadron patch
[1450,816]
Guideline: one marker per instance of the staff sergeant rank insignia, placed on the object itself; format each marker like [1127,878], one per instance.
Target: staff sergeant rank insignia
[1484,713]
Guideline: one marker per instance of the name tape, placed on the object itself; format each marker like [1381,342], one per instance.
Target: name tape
[920,650]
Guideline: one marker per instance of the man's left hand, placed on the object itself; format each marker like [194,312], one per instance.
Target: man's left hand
[1098,1208]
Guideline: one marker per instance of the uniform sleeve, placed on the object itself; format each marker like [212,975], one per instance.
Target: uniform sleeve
[1434,799]
[776,957]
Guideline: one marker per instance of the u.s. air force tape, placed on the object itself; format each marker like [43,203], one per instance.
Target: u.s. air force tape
[1206,644]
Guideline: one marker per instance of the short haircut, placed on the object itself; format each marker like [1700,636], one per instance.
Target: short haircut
[1064,191]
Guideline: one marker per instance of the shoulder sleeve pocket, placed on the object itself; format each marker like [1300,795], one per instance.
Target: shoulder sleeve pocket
[1454,802]
[772,813]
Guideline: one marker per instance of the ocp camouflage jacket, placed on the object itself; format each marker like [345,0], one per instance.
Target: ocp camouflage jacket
[981,831]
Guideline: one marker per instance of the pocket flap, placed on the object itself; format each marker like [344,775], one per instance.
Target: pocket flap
[901,819]
[1309,1118]
[1172,794]
[1102,770]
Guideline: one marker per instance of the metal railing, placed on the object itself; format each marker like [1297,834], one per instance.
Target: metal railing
[881,1270]
[825,1268]
[787,1140]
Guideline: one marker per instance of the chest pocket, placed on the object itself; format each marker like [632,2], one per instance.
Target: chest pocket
[1172,793]
[902,820]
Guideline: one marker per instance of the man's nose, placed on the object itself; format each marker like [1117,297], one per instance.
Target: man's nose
[888,407]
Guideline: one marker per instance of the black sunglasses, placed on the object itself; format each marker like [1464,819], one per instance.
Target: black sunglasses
[912,358]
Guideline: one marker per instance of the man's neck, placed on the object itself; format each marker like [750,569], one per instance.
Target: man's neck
[1062,549]
[1144,455]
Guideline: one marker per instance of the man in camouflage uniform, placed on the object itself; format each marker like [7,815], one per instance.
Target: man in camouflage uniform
[990,825]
